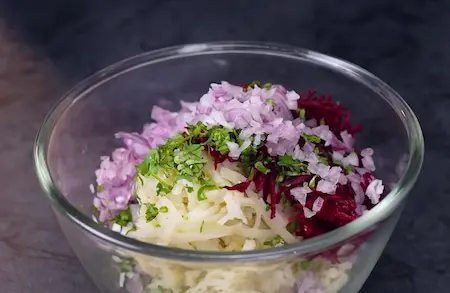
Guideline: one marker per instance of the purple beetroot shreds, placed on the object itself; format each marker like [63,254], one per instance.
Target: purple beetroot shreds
[274,198]
[241,187]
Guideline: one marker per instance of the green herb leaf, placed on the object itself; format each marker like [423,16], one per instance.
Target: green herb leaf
[125,264]
[201,227]
[255,82]
[252,174]
[201,194]
[275,241]
[349,168]
[163,209]
[218,138]
[261,168]
[134,228]
[288,161]
[301,113]
[151,213]
[311,138]
[150,165]
[323,160]
[123,218]
[293,226]
[271,102]
[100,188]
[312,182]
[184,177]
[162,187]
[305,265]
[284,200]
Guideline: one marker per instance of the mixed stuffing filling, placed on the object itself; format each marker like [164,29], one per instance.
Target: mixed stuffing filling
[244,168]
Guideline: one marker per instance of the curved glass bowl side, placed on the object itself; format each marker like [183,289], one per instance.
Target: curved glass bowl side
[343,268]
[278,52]
[80,129]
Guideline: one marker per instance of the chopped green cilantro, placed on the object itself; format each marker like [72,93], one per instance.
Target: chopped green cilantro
[267,86]
[131,230]
[284,200]
[163,187]
[198,130]
[163,209]
[150,165]
[201,194]
[206,185]
[271,102]
[123,218]
[100,188]
[189,160]
[349,168]
[201,227]
[255,82]
[301,113]
[161,289]
[261,168]
[96,213]
[125,264]
[290,167]
[289,161]
[184,177]
[312,182]
[302,266]
[323,160]
[311,138]
[252,174]
[293,226]
[275,241]
[218,138]
[151,213]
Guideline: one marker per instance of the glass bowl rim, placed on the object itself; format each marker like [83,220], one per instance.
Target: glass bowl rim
[374,216]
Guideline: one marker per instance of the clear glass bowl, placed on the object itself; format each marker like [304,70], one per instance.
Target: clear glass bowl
[82,125]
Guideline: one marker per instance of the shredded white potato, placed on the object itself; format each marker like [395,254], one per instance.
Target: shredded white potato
[225,221]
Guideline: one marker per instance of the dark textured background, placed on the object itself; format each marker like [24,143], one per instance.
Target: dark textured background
[47,46]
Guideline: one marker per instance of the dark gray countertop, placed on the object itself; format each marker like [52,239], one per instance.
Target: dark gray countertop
[46,46]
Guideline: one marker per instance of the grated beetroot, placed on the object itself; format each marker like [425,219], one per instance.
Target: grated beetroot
[274,197]
[218,157]
[241,187]
[323,107]
[338,209]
